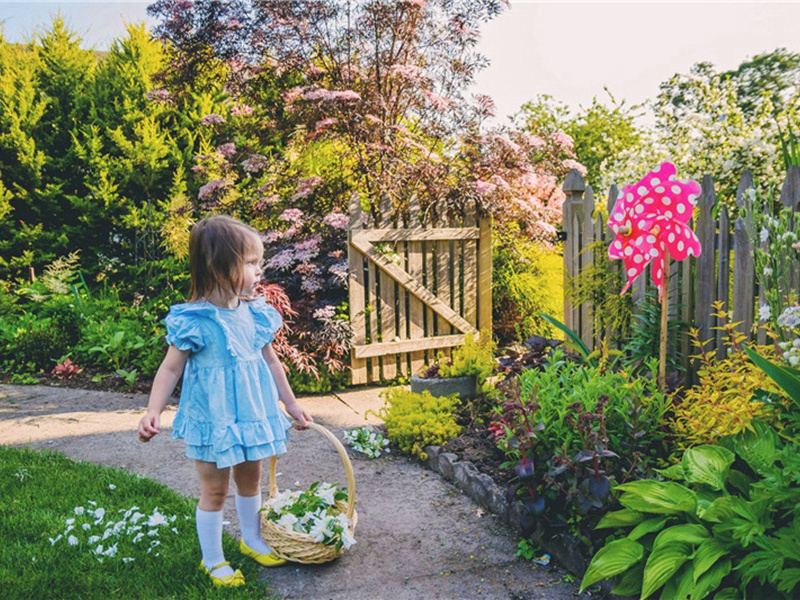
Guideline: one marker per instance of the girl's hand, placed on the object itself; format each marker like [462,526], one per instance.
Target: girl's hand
[149,426]
[299,414]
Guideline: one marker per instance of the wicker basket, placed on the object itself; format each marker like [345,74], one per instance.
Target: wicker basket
[301,547]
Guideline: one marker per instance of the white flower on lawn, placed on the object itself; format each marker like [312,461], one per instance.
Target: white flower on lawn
[68,529]
[79,510]
[99,514]
[111,486]
[54,540]
[69,521]
[174,530]
[86,527]
[72,540]
[128,559]
[107,534]
[156,519]
[136,517]
[99,549]
[111,551]
[137,537]
[92,502]
[764,312]
[152,532]
[287,521]
[93,539]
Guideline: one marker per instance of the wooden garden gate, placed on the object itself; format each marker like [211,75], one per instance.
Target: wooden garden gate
[418,284]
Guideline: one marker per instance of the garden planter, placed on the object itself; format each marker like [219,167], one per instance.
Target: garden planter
[465,387]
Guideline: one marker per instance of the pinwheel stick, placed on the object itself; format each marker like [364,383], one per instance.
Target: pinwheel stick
[662,349]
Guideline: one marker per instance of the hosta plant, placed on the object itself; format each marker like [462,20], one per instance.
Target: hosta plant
[724,526]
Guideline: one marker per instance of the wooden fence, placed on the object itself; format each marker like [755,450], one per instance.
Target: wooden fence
[418,283]
[723,272]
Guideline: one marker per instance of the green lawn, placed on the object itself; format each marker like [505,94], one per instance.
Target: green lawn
[150,548]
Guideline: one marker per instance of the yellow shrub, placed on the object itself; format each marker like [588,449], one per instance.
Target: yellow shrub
[721,404]
[414,421]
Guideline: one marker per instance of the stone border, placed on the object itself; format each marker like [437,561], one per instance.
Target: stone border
[566,549]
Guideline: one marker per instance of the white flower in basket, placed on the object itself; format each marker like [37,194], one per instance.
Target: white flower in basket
[316,525]
[314,511]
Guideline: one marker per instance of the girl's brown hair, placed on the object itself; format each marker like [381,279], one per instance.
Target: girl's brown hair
[218,246]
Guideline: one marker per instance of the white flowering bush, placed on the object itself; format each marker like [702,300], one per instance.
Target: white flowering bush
[313,511]
[108,535]
[367,441]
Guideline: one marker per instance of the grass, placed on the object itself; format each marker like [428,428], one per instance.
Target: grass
[40,492]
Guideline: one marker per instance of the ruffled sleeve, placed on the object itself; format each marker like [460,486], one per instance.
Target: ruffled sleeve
[267,321]
[183,328]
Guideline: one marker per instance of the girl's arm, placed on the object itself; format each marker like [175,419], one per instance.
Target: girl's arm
[164,383]
[284,390]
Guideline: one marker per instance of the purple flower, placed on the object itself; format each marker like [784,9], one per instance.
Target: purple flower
[212,119]
[241,110]
[254,163]
[282,261]
[340,272]
[211,188]
[227,150]
[337,220]
[293,215]
[326,312]
[311,244]
[311,285]
[159,95]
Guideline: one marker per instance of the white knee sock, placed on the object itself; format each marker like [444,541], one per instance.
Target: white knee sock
[209,532]
[247,508]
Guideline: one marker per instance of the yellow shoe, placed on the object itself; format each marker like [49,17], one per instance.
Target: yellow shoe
[265,560]
[233,580]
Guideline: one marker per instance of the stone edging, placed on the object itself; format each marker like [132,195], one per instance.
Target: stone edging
[565,549]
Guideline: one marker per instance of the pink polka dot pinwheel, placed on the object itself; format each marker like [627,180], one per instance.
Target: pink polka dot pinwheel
[649,220]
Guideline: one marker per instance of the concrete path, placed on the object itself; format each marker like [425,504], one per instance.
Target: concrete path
[418,536]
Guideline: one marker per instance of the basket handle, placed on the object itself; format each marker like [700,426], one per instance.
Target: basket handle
[348,468]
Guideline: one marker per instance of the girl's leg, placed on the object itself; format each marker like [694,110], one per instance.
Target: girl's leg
[247,476]
[213,490]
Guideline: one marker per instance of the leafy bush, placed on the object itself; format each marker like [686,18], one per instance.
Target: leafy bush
[526,280]
[414,421]
[473,358]
[572,430]
[731,393]
[720,526]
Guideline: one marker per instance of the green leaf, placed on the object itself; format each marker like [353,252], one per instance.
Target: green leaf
[675,472]
[759,447]
[707,553]
[630,582]
[728,594]
[649,526]
[707,464]
[612,559]
[710,580]
[662,565]
[679,586]
[688,533]
[657,497]
[787,378]
[576,341]
[620,518]
[788,580]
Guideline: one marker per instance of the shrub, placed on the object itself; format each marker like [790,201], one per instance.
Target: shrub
[731,393]
[725,524]
[472,358]
[414,421]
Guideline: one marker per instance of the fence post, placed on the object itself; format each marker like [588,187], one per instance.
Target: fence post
[573,187]
[743,268]
[723,275]
[704,282]
[356,292]
[790,198]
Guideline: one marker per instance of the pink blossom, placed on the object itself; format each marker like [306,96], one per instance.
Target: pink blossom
[534,141]
[212,187]
[337,220]
[294,215]
[292,94]
[306,186]
[254,163]
[306,269]
[574,164]
[227,150]
[326,312]
[438,102]
[486,106]
[270,237]
[323,123]
[212,119]
[317,94]
[309,245]
[414,3]
[484,187]
[410,72]
[241,110]
[159,95]
[282,261]
[311,284]
[500,182]
[340,271]
[562,139]
[234,24]
[346,95]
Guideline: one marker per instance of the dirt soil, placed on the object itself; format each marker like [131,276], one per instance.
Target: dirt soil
[418,537]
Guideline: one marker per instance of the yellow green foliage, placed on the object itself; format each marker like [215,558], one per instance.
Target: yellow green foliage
[414,421]
[474,357]
[722,403]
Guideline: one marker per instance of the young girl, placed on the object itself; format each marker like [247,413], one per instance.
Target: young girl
[220,341]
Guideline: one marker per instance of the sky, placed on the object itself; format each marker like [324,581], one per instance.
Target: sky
[569,50]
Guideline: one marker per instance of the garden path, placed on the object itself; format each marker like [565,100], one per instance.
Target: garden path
[418,536]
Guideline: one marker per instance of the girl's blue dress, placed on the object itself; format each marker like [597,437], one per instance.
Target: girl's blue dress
[228,411]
